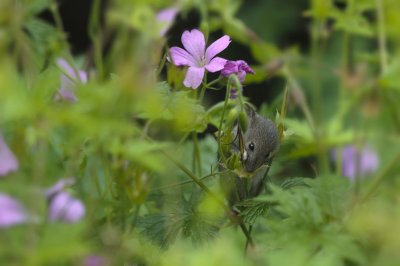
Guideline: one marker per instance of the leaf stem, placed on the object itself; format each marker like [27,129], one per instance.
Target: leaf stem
[381,35]
[96,36]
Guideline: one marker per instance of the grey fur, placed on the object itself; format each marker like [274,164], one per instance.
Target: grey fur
[263,134]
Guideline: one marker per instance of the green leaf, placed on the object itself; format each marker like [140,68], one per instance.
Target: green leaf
[264,52]
[140,152]
[37,6]
[236,29]
[390,79]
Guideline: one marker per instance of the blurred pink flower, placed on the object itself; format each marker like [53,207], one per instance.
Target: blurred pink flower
[11,211]
[8,161]
[59,186]
[166,17]
[239,67]
[63,206]
[94,260]
[67,88]
[357,161]
[197,58]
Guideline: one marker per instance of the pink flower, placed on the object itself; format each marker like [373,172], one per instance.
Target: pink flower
[197,58]
[94,260]
[59,186]
[239,67]
[166,17]
[357,162]
[8,161]
[11,211]
[66,91]
[63,206]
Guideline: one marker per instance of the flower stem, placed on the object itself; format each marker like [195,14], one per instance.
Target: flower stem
[57,18]
[96,37]
[302,102]
[228,87]
[381,35]
[196,154]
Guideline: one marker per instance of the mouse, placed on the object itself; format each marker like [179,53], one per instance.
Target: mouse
[260,143]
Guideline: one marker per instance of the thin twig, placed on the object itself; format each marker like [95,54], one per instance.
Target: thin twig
[381,36]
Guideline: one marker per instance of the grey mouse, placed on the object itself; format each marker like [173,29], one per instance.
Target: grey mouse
[260,144]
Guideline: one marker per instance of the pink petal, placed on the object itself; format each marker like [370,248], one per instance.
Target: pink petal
[65,94]
[194,76]
[8,161]
[216,64]
[59,186]
[217,47]
[61,62]
[64,207]
[230,67]
[70,70]
[166,17]
[194,43]
[167,14]
[181,58]
[11,211]
[94,260]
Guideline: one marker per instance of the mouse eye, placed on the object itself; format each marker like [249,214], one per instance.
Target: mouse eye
[251,146]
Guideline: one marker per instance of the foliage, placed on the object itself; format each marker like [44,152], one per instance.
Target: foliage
[146,153]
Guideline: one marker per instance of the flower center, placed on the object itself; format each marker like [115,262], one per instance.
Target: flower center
[202,61]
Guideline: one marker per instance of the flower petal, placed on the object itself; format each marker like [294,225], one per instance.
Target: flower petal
[216,64]
[230,67]
[167,14]
[166,17]
[181,58]
[94,260]
[65,94]
[64,207]
[59,186]
[61,62]
[11,211]
[194,76]
[217,47]
[8,161]
[194,43]
[369,161]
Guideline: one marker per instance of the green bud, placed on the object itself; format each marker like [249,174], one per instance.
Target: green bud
[243,121]
[232,116]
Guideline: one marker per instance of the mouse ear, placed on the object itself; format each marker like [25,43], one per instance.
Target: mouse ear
[249,110]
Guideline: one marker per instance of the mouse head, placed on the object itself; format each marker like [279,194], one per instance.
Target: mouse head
[261,141]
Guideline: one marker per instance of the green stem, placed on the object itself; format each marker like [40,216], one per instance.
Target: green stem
[162,63]
[96,37]
[228,87]
[191,181]
[383,55]
[303,102]
[203,89]
[213,82]
[57,18]
[197,154]
[193,177]
[315,55]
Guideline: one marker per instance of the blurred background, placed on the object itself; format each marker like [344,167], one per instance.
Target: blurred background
[100,140]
